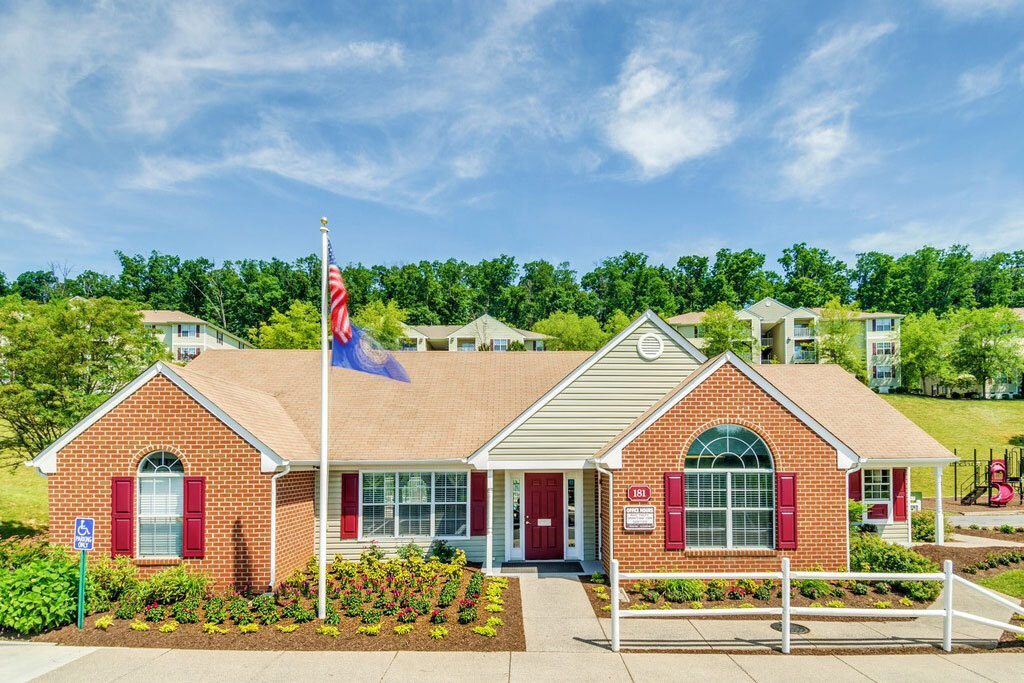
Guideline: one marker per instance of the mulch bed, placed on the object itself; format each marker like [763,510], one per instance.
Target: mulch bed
[963,556]
[797,600]
[191,636]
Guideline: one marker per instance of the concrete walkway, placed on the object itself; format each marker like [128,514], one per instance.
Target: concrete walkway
[986,519]
[155,665]
[557,616]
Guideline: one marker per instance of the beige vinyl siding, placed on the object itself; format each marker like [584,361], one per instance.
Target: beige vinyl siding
[599,403]
[350,548]
[586,522]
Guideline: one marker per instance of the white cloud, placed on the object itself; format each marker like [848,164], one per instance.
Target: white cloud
[667,107]
[816,103]
[981,82]
[974,9]
[1004,231]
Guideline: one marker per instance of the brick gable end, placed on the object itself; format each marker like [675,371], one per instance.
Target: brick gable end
[728,396]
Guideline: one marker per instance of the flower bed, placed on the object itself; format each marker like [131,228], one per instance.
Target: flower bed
[374,604]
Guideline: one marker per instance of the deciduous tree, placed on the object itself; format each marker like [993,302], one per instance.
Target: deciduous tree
[570,332]
[723,331]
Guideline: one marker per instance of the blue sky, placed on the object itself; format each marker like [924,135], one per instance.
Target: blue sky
[568,131]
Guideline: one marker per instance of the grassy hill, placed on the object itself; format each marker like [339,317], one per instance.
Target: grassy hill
[22,502]
[963,425]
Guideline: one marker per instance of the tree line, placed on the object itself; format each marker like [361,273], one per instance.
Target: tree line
[240,295]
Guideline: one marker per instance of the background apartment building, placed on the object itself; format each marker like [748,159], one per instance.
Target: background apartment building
[186,336]
[484,332]
[783,334]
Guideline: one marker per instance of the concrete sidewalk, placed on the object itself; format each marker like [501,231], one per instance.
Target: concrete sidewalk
[155,665]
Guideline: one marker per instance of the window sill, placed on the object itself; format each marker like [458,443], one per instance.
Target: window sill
[730,552]
[158,561]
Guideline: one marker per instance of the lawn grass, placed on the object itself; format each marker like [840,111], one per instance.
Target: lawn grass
[22,502]
[1011,582]
[962,424]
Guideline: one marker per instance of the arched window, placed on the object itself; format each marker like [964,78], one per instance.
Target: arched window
[730,490]
[161,482]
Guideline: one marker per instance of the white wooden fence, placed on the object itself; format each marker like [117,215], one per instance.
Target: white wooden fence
[786,611]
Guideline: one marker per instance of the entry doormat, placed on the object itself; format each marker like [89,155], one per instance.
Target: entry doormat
[543,568]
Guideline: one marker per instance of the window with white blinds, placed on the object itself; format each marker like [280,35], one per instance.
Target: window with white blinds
[160,506]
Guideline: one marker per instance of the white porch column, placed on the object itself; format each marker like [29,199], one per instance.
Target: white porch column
[940,526]
[489,563]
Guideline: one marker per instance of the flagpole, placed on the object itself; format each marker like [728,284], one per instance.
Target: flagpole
[325,327]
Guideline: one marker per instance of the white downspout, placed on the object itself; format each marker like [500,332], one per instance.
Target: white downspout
[489,552]
[611,511]
[849,524]
[600,554]
[273,523]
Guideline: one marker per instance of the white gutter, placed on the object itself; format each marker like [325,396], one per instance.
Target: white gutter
[273,523]
[611,510]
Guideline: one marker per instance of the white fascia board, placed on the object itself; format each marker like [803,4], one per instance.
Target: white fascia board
[540,465]
[883,463]
[479,457]
[845,459]
[46,461]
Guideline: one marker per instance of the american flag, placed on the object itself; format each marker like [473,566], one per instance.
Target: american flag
[341,326]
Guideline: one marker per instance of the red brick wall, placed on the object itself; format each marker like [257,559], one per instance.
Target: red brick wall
[295,518]
[729,396]
[160,416]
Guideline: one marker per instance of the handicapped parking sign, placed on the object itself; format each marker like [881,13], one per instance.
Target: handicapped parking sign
[83,533]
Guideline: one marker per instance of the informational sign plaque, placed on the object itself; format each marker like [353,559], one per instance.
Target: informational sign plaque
[638,517]
[639,493]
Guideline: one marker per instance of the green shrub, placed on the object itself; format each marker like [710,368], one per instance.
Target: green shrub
[716,590]
[814,588]
[442,551]
[1007,529]
[438,632]
[922,526]
[298,613]
[597,577]
[485,631]
[15,552]
[131,604]
[371,616]
[332,631]
[872,554]
[174,584]
[214,628]
[402,629]
[104,622]
[859,588]
[265,609]
[449,592]
[170,627]
[408,550]
[287,628]
[238,610]
[855,512]
[107,580]
[215,611]
[249,628]
[683,590]
[154,612]
[40,593]
[139,626]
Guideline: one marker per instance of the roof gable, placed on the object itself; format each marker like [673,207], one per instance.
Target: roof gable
[611,454]
[768,308]
[486,327]
[574,417]
[46,461]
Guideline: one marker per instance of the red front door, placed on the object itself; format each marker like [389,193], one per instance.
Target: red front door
[544,516]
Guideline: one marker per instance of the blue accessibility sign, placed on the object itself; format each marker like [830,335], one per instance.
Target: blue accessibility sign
[83,533]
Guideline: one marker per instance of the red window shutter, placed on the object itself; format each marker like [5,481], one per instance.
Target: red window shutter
[122,516]
[478,503]
[350,505]
[856,492]
[675,513]
[899,495]
[193,521]
[785,494]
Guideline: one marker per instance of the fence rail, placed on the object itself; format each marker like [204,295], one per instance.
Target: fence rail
[786,610]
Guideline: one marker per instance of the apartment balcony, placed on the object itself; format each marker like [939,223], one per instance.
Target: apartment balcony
[803,331]
[767,341]
[809,356]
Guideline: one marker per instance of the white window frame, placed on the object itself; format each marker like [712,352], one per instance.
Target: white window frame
[408,344]
[888,321]
[495,345]
[730,508]
[464,344]
[879,345]
[868,501]
[579,552]
[432,504]
[878,372]
[188,331]
[139,478]
[184,352]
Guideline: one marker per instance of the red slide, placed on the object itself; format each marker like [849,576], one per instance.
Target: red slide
[1004,495]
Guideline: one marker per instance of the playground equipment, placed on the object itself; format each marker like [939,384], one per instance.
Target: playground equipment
[1000,478]
[1003,492]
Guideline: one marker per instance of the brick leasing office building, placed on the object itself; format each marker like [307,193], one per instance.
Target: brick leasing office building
[511,456]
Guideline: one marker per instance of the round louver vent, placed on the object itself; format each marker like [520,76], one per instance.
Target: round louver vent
[650,346]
